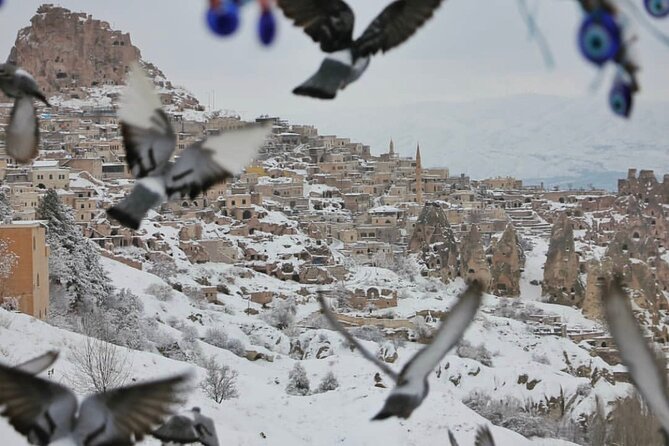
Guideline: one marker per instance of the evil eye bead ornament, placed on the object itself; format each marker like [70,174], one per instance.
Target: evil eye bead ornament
[657,8]
[620,98]
[266,27]
[223,17]
[599,37]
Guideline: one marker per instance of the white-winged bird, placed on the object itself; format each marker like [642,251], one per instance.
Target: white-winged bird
[411,383]
[189,427]
[150,142]
[646,368]
[39,364]
[48,413]
[22,133]
[330,23]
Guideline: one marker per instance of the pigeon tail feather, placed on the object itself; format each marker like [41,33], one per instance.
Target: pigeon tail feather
[330,77]
[134,207]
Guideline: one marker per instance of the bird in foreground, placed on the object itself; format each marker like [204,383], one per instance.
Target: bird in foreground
[645,367]
[39,364]
[483,437]
[411,383]
[22,133]
[48,413]
[150,142]
[189,427]
[330,23]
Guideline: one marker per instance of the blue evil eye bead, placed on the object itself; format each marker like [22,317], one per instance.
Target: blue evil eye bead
[657,8]
[599,37]
[223,17]
[620,98]
[267,27]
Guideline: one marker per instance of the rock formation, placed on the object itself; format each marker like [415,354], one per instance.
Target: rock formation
[561,272]
[506,264]
[433,239]
[71,53]
[473,258]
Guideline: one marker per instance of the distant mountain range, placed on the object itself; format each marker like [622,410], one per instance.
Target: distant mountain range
[536,138]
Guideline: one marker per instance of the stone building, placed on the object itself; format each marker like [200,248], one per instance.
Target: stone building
[561,272]
[506,263]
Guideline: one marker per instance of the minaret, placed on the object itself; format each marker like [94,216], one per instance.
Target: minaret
[391,150]
[419,177]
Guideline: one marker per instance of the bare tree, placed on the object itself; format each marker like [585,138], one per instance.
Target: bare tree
[99,366]
[221,381]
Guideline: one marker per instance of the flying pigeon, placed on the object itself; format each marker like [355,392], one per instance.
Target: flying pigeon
[647,373]
[22,133]
[39,364]
[411,383]
[190,427]
[330,23]
[150,142]
[48,413]
[483,437]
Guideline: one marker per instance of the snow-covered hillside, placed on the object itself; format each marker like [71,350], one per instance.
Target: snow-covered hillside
[528,136]
[521,364]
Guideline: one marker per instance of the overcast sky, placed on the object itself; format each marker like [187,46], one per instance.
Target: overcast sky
[470,50]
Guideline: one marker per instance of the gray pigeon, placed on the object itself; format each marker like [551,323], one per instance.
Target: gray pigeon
[22,138]
[48,413]
[648,373]
[150,143]
[190,427]
[39,364]
[330,23]
[411,383]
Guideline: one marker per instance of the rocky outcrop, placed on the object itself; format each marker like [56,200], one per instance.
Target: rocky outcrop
[506,264]
[561,271]
[474,264]
[433,239]
[70,53]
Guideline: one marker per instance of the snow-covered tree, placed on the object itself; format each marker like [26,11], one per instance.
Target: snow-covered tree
[99,366]
[74,262]
[282,314]
[328,383]
[8,261]
[298,382]
[221,381]
[6,212]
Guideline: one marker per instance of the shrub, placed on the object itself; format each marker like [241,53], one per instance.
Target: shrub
[328,383]
[478,353]
[298,382]
[162,292]
[221,381]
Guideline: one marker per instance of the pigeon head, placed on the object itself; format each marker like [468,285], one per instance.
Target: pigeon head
[6,72]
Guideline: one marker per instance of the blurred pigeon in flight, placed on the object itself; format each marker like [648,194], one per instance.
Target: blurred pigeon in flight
[39,364]
[48,413]
[22,133]
[190,427]
[150,142]
[647,370]
[411,383]
[483,437]
[330,23]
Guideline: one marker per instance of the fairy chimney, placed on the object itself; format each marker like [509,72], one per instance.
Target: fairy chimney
[474,264]
[433,239]
[507,263]
[561,271]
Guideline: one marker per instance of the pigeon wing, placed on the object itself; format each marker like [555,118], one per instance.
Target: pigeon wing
[22,133]
[328,22]
[452,439]
[147,133]
[452,327]
[178,429]
[39,364]
[126,414]
[484,437]
[26,401]
[213,160]
[206,429]
[637,355]
[396,23]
